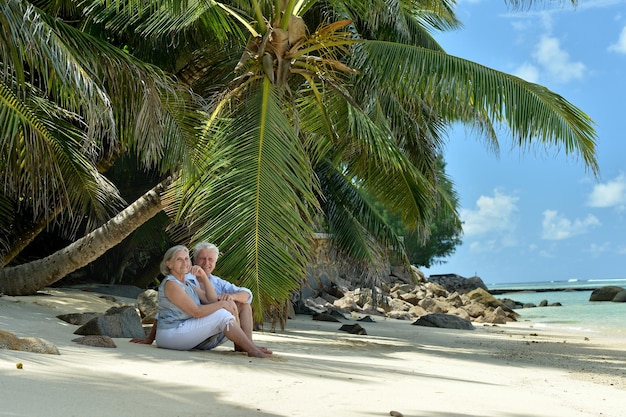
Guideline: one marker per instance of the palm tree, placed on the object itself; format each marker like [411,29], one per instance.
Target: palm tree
[70,104]
[330,102]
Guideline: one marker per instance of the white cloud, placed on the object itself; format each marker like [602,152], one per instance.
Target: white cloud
[596,249]
[493,220]
[556,61]
[528,72]
[620,45]
[558,227]
[546,254]
[609,194]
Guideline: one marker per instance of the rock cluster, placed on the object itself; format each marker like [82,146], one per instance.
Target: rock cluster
[409,299]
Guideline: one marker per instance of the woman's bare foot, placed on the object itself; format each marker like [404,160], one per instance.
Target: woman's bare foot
[257,353]
[261,348]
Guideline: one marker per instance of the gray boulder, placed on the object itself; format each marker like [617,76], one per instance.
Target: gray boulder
[95,341]
[121,321]
[620,297]
[77,319]
[446,321]
[457,283]
[607,293]
[148,305]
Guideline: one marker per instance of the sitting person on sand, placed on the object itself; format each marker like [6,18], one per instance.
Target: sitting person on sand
[184,321]
[205,256]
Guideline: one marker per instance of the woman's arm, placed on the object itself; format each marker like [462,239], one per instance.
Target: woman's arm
[206,292]
[176,294]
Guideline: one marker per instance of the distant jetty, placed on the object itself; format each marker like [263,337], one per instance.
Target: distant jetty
[500,291]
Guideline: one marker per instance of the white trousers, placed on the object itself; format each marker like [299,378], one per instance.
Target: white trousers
[194,332]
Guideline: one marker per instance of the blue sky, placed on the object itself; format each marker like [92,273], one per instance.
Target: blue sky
[537,214]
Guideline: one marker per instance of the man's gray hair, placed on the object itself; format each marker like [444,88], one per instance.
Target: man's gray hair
[206,246]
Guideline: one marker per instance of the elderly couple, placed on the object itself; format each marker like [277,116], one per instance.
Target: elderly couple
[198,310]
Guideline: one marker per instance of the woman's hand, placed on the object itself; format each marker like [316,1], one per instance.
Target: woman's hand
[229,306]
[199,272]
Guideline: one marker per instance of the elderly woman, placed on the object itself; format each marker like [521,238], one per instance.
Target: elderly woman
[191,317]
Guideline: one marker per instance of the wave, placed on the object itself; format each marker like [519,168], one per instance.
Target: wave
[608,280]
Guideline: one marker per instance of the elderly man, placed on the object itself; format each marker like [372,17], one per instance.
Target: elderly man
[205,256]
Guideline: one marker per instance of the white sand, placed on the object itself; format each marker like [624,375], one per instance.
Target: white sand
[511,370]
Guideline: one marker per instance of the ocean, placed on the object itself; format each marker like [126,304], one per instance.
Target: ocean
[577,313]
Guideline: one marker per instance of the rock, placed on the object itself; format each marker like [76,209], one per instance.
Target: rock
[460,311]
[367,319]
[620,297]
[324,317]
[336,313]
[353,329]
[417,311]
[96,341]
[399,315]
[398,304]
[497,316]
[543,303]
[148,305]
[455,299]
[116,322]
[436,290]
[512,304]
[9,341]
[77,318]
[316,308]
[410,298]
[346,303]
[482,296]
[433,305]
[457,283]
[26,344]
[446,321]
[607,293]
[363,296]
[474,309]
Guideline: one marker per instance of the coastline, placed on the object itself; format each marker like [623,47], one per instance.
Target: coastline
[504,370]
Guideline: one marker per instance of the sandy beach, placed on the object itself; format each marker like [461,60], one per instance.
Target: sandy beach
[511,370]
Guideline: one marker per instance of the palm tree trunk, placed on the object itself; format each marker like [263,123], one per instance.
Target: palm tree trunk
[28,278]
[25,235]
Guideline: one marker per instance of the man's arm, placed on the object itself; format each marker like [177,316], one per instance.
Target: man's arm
[240,297]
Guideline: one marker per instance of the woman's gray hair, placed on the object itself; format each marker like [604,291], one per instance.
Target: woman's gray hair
[206,246]
[168,257]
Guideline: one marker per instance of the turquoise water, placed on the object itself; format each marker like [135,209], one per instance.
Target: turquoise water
[577,313]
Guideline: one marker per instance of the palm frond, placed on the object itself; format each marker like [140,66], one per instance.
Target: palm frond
[458,89]
[257,204]
[352,222]
[46,161]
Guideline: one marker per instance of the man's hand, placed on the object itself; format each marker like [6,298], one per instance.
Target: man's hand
[225,297]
